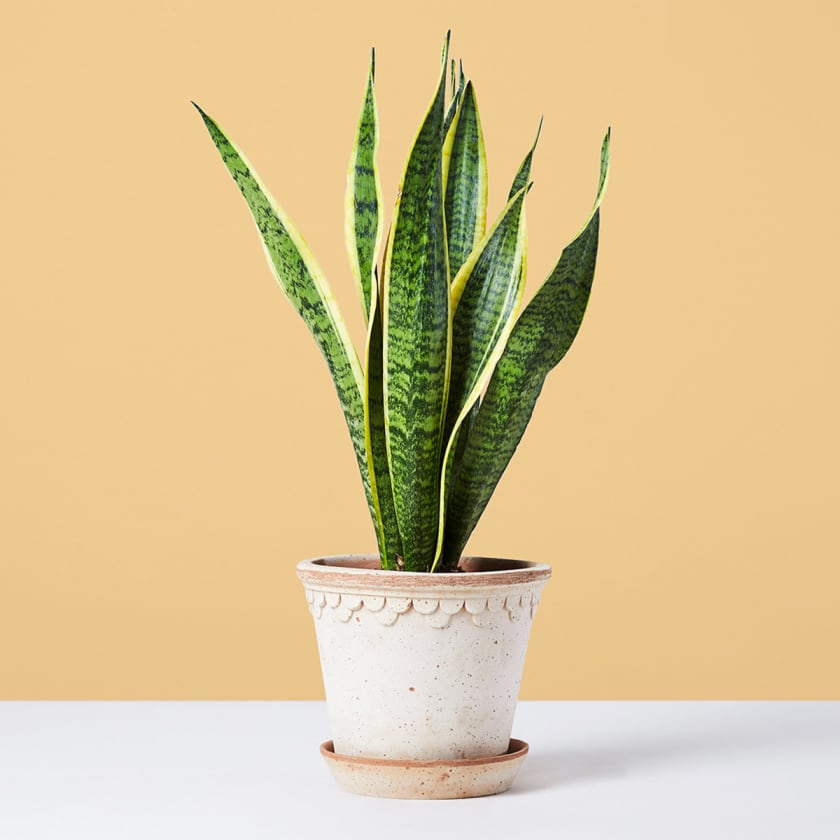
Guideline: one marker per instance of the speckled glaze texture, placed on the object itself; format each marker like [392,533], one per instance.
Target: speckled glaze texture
[422,667]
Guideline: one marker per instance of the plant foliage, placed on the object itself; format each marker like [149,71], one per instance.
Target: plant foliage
[453,364]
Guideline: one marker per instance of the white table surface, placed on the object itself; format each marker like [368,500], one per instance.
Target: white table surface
[203,770]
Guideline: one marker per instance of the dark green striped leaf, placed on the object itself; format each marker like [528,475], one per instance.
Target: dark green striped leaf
[465,181]
[388,535]
[416,326]
[456,98]
[487,294]
[363,200]
[307,289]
[540,338]
[485,297]
[523,176]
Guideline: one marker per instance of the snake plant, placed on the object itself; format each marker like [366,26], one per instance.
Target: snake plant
[452,368]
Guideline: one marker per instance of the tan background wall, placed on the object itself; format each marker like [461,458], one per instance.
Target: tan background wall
[170,443]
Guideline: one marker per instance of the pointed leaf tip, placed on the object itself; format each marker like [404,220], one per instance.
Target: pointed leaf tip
[524,173]
[465,180]
[362,199]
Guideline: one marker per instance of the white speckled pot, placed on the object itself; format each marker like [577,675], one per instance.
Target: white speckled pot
[422,667]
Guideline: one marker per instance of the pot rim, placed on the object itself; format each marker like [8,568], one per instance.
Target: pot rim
[363,570]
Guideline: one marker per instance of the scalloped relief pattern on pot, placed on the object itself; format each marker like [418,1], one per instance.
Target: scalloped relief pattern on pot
[437,611]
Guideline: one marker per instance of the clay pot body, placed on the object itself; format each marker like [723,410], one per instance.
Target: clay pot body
[422,667]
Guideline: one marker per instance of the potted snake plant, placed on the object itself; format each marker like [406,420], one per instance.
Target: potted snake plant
[422,649]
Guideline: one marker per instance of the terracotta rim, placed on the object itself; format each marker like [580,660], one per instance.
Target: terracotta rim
[363,569]
[516,749]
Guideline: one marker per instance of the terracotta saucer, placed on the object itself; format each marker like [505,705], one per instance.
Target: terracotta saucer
[447,779]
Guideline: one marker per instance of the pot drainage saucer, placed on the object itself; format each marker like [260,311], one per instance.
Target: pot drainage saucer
[444,779]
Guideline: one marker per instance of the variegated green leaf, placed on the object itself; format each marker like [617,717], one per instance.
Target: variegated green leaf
[363,198]
[465,181]
[382,493]
[416,327]
[487,294]
[456,98]
[305,286]
[540,338]
[520,181]
[523,176]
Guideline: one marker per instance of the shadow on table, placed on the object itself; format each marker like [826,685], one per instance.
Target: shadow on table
[563,767]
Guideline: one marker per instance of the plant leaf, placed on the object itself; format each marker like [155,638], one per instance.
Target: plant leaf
[307,289]
[487,294]
[540,338]
[523,176]
[390,545]
[416,330]
[363,198]
[465,181]
[485,297]
[456,98]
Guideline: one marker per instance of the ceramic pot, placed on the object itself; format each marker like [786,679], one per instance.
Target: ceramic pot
[422,667]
